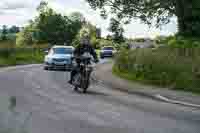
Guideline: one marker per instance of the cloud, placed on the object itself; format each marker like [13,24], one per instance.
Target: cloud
[17,12]
[17,7]
[137,29]
[2,12]
[15,4]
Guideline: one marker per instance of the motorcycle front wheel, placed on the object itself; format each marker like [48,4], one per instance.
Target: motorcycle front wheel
[75,88]
[85,85]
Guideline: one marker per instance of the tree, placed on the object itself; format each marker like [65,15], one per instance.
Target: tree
[55,28]
[109,37]
[14,29]
[25,37]
[51,27]
[117,29]
[4,32]
[155,11]
[77,20]
[77,17]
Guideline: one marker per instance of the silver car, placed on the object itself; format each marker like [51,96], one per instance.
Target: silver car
[59,57]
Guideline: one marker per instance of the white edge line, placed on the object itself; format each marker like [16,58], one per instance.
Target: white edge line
[176,102]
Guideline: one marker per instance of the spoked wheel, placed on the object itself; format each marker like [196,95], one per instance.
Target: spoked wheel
[75,82]
[85,86]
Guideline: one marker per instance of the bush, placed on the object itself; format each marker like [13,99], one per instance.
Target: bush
[169,67]
[179,42]
[24,38]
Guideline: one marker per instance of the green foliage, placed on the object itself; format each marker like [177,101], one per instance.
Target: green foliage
[13,29]
[50,27]
[24,38]
[7,33]
[178,42]
[181,42]
[169,67]
[4,33]
[96,42]
[17,56]
[154,12]
[105,42]
[117,30]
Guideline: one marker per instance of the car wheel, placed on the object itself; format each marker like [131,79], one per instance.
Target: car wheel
[46,68]
[50,68]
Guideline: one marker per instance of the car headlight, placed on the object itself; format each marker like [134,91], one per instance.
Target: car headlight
[48,59]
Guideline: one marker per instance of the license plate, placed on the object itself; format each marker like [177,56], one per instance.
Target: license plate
[60,63]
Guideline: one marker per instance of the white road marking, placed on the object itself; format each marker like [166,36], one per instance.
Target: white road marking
[176,102]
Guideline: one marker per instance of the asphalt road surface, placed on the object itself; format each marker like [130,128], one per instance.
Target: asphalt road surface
[56,108]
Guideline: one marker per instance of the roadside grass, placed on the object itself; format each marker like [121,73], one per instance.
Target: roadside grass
[20,57]
[11,55]
[172,68]
[125,75]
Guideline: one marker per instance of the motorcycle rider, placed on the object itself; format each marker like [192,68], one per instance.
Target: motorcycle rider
[83,47]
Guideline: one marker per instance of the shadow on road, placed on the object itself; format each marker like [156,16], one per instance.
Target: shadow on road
[91,93]
[58,70]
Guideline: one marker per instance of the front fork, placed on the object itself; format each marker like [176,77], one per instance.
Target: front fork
[86,78]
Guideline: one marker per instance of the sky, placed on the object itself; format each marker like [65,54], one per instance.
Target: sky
[19,12]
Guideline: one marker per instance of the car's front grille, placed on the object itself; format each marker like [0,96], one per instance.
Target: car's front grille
[60,60]
[107,53]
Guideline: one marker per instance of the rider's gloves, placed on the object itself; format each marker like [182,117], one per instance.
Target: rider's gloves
[96,61]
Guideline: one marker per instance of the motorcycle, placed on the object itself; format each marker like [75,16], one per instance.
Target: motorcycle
[82,78]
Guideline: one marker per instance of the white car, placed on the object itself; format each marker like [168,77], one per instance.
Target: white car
[59,57]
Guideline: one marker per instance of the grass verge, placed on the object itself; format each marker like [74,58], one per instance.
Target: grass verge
[20,57]
[168,68]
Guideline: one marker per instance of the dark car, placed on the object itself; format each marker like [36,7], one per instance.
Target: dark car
[107,51]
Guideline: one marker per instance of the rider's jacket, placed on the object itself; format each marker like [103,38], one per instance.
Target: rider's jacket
[81,49]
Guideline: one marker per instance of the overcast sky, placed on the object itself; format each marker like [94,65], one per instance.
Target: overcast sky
[18,12]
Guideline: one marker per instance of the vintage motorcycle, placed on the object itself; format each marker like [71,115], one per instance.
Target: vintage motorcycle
[82,79]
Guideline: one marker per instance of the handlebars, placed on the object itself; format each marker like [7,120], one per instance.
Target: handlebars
[84,58]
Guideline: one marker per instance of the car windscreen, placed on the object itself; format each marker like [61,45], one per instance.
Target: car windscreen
[62,50]
[108,48]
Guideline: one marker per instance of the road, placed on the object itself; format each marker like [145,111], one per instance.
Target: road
[56,108]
